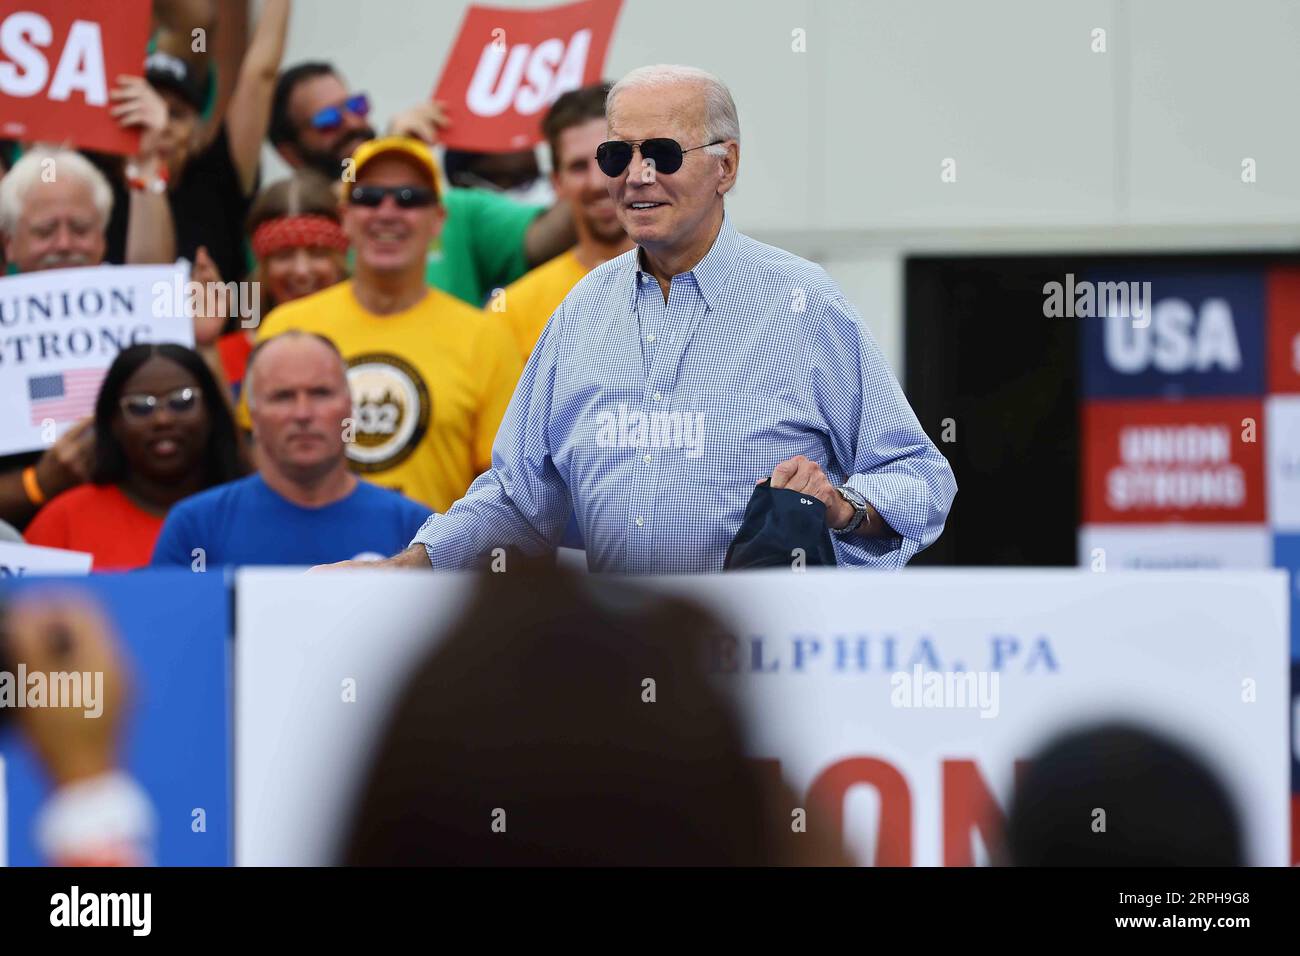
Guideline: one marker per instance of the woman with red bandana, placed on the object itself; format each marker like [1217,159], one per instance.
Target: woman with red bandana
[300,248]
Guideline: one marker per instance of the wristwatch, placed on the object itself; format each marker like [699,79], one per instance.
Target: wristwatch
[860,511]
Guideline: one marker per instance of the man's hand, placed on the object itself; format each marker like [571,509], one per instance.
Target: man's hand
[138,104]
[421,121]
[68,462]
[413,557]
[806,477]
[58,633]
[208,321]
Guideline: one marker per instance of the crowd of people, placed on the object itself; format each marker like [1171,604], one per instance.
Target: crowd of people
[443,296]
[404,264]
[428,381]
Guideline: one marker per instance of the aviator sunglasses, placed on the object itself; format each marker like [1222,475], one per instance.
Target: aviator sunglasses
[665,155]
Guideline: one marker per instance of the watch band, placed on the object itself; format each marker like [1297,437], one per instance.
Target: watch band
[859,504]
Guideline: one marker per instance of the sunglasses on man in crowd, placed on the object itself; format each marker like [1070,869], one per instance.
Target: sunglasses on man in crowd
[331,117]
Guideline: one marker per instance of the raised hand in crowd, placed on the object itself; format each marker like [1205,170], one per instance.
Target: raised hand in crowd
[249,109]
[69,461]
[176,22]
[64,465]
[150,233]
[423,121]
[98,815]
[64,633]
[209,319]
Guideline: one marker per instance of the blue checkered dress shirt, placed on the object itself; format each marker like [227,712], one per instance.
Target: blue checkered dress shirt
[653,421]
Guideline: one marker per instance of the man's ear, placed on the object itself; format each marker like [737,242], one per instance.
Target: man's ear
[439,219]
[730,165]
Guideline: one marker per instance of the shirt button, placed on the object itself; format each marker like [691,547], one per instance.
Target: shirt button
[658,397]
[647,459]
[639,521]
[650,338]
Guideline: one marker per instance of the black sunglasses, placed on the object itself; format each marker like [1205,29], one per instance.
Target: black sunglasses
[407,197]
[181,401]
[665,155]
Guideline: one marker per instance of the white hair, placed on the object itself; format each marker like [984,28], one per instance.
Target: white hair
[720,120]
[29,171]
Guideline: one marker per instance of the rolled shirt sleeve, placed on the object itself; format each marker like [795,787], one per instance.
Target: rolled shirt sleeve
[884,452]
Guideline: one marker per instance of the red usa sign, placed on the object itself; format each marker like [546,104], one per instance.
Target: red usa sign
[58,61]
[508,66]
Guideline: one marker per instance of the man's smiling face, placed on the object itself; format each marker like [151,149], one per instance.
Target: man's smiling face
[388,238]
[665,210]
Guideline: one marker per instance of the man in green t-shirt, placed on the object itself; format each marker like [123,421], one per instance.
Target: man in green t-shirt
[487,241]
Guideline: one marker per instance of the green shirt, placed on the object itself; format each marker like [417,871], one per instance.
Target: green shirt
[481,247]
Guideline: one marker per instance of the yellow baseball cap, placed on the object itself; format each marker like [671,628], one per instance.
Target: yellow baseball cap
[405,145]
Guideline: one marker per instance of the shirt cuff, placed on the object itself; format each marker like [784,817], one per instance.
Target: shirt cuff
[886,551]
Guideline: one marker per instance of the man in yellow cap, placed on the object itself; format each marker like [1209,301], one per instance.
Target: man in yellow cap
[430,376]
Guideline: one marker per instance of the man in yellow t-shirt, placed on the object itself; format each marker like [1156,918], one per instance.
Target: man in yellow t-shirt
[574,126]
[430,376]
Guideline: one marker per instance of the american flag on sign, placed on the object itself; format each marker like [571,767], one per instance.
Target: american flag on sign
[64,396]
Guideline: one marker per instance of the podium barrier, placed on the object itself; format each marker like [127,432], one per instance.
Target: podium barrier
[898,704]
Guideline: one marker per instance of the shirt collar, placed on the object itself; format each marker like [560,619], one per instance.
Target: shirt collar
[710,273]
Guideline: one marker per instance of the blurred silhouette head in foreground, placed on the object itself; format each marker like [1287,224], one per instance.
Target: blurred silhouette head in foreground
[533,714]
[1162,805]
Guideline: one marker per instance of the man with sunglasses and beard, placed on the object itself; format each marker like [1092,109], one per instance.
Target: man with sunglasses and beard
[430,376]
[755,348]
[488,239]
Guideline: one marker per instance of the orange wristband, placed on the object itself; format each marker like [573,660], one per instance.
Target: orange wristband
[32,486]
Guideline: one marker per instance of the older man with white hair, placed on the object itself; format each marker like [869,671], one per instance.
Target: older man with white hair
[55,204]
[54,210]
[677,375]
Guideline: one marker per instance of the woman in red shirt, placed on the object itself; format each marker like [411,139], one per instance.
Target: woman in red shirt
[162,432]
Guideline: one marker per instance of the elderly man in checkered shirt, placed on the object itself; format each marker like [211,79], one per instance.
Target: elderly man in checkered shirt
[676,376]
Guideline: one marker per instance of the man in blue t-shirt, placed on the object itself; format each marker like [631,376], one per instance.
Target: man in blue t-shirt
[303,507]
